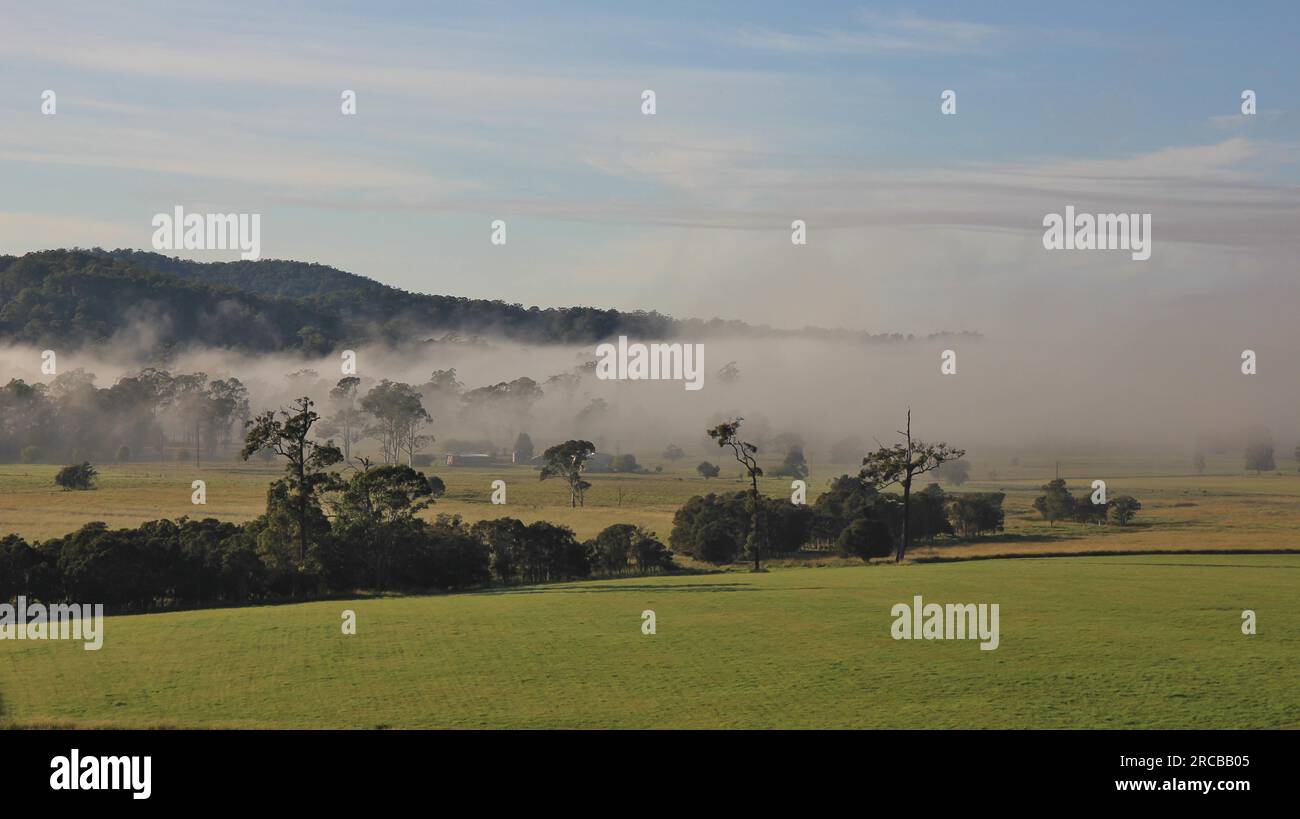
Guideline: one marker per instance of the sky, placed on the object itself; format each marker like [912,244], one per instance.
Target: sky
[766,113]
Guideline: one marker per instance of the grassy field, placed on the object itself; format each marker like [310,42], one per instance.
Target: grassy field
[1150,641]
[1223,509]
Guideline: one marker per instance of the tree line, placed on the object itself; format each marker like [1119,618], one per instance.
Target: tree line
[327,530]
[869,533]
[852,516]
[324,531]
[73,420]
[1057,503]
[153,411]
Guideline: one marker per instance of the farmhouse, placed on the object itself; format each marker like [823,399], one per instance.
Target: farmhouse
[471,459]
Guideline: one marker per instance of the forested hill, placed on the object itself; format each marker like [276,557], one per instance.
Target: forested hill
[75,298]
[396,313]
[64,299]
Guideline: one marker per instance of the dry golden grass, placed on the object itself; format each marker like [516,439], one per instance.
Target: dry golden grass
[1235,511]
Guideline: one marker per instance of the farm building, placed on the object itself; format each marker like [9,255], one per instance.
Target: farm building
[471,459]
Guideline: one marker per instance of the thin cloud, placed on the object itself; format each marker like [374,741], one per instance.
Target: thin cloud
[878,35]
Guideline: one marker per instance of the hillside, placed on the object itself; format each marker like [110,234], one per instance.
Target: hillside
[396,312]
[69,299]
[88,297]
[79,297]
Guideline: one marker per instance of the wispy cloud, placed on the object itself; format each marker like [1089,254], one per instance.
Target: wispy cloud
[469,115]
[877,34]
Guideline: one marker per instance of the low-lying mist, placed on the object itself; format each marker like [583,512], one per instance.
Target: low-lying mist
[1148,393]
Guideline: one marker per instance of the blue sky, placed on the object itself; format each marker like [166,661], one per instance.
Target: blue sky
[767,112]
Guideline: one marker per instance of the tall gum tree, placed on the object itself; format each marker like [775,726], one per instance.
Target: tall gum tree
[900,464]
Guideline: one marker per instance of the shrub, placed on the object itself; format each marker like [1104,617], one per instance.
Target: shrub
[625,463]
[77,476]
[794,466]
[848,499]
[1085,511]
[611,550]
[450,557]
[929,516]
[974,513]
[623,546]
[123,454]
[692,517]
[649,554]
[1123,508]
[505,539]
[865,538]
[954,472]
[31,454]
[1057,503]
[789,525]
[715,544]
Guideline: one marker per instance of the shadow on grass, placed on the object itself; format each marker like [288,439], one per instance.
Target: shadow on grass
[674,587]
[1202,565]
[999,538]
[1015,537]
[1107,553]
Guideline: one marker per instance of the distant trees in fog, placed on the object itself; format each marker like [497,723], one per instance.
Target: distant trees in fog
[708,470]
[794,465]
[1259,457]
[70,414]
[399,419]
[954,472]
[346,423]
[848,450]
[523,451]
[1057,503]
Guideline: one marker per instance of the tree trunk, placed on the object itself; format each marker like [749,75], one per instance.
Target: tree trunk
[907,509]
[302,510]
